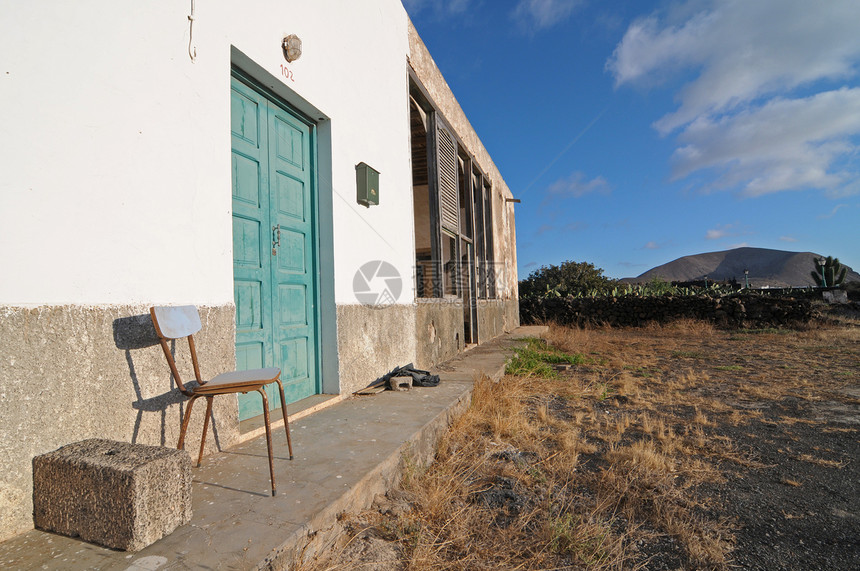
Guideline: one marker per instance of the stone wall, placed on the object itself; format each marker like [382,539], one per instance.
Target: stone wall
[742,310]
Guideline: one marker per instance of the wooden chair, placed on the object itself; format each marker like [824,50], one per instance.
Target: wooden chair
[178,322]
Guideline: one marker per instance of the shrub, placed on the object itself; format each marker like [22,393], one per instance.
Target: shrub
[570,278]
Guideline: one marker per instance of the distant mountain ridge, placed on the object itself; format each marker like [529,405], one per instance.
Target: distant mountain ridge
[773,268]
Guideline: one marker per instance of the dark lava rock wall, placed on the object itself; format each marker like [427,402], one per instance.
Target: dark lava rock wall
[731,312]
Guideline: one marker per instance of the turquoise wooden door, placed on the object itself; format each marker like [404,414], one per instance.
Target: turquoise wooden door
[274,255]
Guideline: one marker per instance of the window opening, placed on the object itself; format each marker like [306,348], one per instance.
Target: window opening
[425,268]
[464,185]
[453,211]
[450,265]
[488,235]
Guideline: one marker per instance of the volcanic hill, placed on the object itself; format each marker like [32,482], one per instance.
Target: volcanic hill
[773,268]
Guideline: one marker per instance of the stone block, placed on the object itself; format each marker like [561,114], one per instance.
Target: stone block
[836,296]
[400,383]
[121,495]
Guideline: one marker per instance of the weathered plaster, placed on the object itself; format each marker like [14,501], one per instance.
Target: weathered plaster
[438,331]
[372,341]
[491,319]
[507,284]
[69,373]
[512,314]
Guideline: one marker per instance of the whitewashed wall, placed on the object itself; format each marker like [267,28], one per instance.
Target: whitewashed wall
[115,184]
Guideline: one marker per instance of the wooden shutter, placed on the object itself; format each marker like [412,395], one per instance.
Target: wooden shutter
[446,162]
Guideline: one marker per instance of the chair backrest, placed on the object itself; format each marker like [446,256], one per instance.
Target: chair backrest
[175,322]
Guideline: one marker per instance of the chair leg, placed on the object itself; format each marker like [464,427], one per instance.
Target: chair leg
[181,445]
[262,392]
[286,421]
[205,429]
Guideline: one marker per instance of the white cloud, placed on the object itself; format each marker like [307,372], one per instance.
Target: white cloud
[723,231]
[785,144]
[577,186]
[788,238]
[762,105]
[539,14]
[832,213]
[742,50]
[652,245]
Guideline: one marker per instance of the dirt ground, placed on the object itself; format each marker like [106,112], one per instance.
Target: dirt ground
[674,447]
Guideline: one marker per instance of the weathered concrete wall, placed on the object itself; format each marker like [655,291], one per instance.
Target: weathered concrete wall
[505,248]
[70,373]
[497,316]
[439,331]
[371,341]
[491,319]
[512,314]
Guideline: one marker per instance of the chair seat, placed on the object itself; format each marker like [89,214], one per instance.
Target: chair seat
[239,381]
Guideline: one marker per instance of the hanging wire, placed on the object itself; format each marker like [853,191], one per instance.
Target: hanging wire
[192,51]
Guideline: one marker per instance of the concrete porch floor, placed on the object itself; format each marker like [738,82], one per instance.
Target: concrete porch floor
[345,454]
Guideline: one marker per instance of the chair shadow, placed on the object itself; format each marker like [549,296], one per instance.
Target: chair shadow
[136,333]
[286,459]
[223,487]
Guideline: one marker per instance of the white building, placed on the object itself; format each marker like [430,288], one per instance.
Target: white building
[158,153]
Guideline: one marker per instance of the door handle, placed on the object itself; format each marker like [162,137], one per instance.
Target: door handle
[276,239]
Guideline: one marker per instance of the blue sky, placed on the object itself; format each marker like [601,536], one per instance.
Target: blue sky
[637,132]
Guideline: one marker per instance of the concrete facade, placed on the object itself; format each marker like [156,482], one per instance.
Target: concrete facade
[116,195]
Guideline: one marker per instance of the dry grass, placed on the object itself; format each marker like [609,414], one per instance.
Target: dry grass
[583,469]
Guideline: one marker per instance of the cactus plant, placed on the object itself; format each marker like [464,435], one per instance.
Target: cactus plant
[829,275]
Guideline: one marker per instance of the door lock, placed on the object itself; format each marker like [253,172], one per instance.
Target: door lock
[276,239]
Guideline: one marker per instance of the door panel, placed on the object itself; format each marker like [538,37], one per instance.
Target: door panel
[251,249]
[294,273]
[274,259]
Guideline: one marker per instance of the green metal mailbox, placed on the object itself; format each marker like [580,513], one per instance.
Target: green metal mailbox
[367,184]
